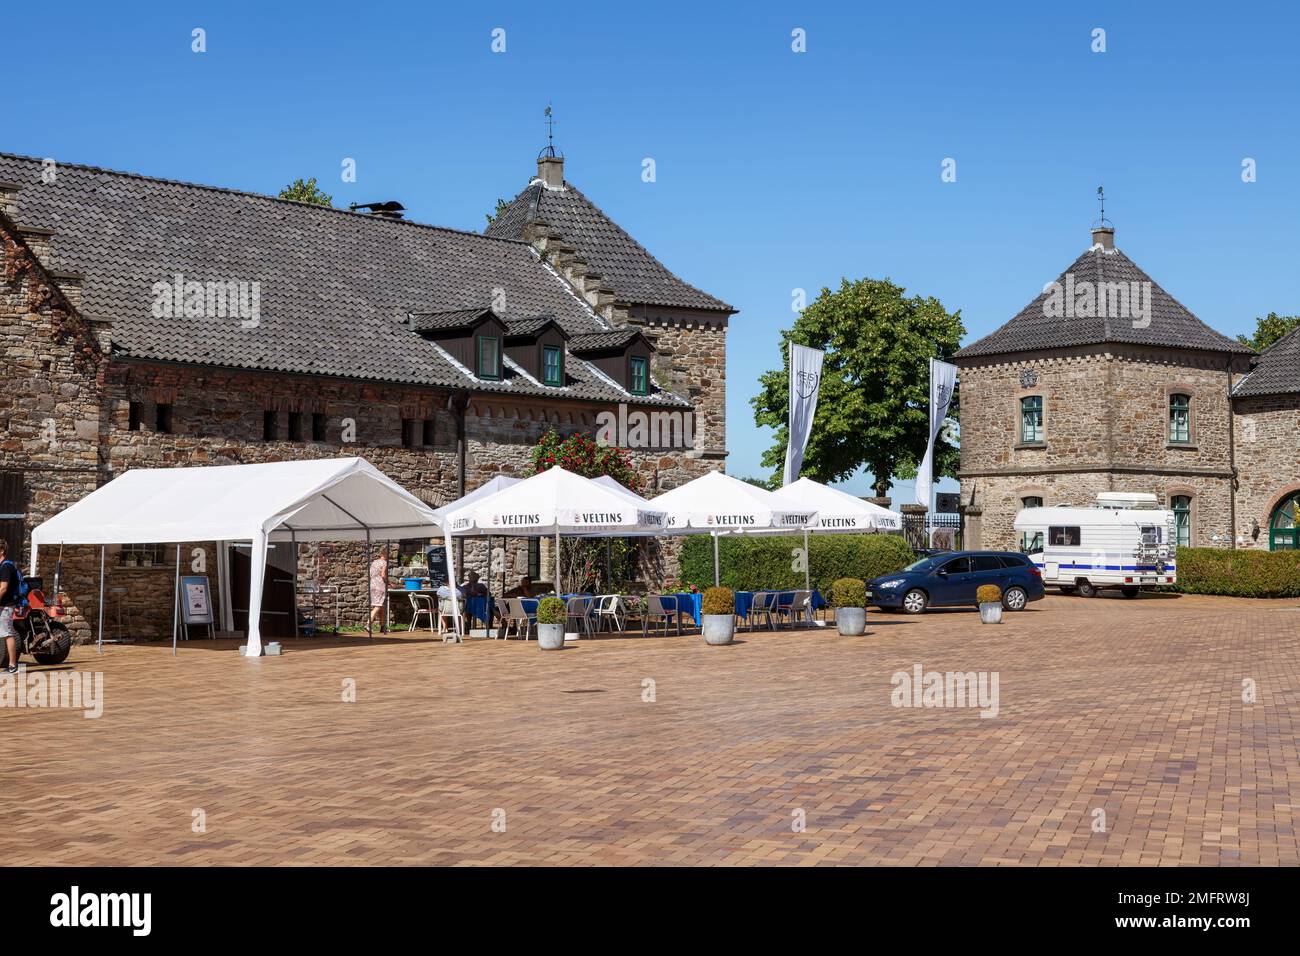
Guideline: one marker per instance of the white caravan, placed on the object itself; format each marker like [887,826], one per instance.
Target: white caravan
[1124,541]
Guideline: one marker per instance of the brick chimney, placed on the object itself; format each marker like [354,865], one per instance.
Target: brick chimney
[1104,236]
[550,170]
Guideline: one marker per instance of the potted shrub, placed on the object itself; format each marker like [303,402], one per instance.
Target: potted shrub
[550,623]
[989,597]
[849,595]
[718,615]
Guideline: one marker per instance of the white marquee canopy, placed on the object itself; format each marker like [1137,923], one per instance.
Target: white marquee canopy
[330,499]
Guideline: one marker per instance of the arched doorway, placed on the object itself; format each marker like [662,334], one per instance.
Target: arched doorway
[1284,525]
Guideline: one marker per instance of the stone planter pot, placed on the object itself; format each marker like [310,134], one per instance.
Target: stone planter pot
[991,612]
[718,628]
[851,621]
[550,637]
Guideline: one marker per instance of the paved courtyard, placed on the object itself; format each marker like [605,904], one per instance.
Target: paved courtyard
[1130,708]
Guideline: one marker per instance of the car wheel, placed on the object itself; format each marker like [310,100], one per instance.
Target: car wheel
[914,601]
[1087,589]
[1130,592]
[1014,599]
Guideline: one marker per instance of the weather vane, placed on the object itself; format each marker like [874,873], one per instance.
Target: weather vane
[550,132]
[1101,198]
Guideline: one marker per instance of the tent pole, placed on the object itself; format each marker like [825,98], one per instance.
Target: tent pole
[716,578]
[807,563]
[102,549]
[293,556]
[557,562]
[176,600]
[370,617]
[451,585]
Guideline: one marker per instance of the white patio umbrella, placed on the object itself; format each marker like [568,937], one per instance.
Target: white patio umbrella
[558,502]
[720,504]
[839,512]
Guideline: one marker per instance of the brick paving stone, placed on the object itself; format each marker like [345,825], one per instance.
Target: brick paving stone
[1130,707]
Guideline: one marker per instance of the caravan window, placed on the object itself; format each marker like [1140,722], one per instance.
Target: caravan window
[1063,537]
[1031,542]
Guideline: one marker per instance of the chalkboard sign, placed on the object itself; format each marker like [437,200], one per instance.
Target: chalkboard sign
[436,558]
[196,600]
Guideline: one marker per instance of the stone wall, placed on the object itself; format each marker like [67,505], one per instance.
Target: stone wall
[49,403]
[1106,428]
[1268,461]
[217,418]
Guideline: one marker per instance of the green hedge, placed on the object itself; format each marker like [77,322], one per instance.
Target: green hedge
[1239,573]
[768,563]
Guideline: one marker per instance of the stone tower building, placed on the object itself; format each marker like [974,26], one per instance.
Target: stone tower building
[1104,382]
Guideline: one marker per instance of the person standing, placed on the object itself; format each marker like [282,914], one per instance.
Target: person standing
[8,602]
[379,591]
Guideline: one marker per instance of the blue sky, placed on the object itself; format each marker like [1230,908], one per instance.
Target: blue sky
[775,170]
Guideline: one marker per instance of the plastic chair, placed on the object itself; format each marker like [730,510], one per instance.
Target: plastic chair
[519,615]
[762,604]
[420,604]
[578,608]
[796,609]
[658,607]
[609,607]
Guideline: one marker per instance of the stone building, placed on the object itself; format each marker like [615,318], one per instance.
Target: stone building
[153,323]
[1105,382]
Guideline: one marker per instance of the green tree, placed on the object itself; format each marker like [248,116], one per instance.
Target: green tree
[1269,329]
[306,191]
[873,407]
[491,216]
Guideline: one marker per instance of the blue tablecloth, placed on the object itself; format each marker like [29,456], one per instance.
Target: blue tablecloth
[480,608]
[688,603]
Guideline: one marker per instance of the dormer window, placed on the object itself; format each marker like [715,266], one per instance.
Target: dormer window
[489,357]
[639,375]
[552,365]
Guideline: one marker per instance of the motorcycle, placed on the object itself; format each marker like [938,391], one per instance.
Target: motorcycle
[38,628]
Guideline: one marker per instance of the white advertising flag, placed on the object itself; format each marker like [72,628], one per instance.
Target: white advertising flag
[943,379]
[805,378]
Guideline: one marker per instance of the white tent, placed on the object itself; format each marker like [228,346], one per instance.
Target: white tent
[331,499]
[557,502]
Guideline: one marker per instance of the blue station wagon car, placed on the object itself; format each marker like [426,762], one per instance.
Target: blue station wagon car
[950,580]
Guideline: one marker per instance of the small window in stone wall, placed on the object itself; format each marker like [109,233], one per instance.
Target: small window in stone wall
[141,556]
[318,426]
[163,418]
[429,433]
[134,410]
[295,426]
[535,558]
[270,425]
[409,432]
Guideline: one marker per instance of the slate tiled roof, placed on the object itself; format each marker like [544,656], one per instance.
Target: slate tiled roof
[526,326]
[442,321]
[1276,371]
[623,264]
[336,287]
[1171,324]
[596,341]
